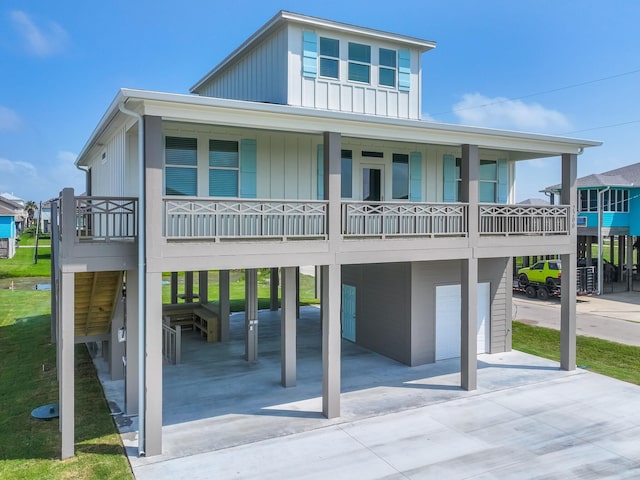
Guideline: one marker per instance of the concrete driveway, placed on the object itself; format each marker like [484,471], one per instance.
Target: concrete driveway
[226,418]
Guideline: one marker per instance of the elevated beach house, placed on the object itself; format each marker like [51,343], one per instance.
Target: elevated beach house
[305,146]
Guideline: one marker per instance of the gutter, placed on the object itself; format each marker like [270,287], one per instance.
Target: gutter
[142,282]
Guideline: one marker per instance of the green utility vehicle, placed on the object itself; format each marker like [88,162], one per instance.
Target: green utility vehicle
[541,280]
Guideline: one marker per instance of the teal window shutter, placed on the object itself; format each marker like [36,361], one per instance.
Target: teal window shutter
[310,54]
[415,176]
[450,183]
[503,181]
[404,70]
[248,168]
[320,171]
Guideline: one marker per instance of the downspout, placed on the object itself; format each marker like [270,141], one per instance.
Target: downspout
[85,169]
[142,281]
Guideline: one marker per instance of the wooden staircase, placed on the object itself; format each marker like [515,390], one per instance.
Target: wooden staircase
[96,296]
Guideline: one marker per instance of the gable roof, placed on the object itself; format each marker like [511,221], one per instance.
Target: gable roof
[283,17]
[628,176]
[10,208]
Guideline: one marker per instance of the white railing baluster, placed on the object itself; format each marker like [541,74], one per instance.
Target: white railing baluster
[524,219]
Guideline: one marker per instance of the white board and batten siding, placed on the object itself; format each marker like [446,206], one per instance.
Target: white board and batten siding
[258,75]
[108,167]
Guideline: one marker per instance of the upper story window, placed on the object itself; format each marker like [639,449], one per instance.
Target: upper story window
[329,57]
[224,168]
[359,62]
[388,66]
[181,166]
[612,200]
[400,177]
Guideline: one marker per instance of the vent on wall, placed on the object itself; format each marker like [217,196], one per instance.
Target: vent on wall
[104,157]
[366,153]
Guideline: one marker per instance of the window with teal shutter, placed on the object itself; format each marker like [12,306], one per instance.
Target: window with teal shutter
[387,60]
[248,168]
[223,168]
[181,166]
[415,176]
[404,70]
[310,54]
[450,181]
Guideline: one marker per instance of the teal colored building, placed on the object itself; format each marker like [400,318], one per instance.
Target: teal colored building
[8,232]
[617,194]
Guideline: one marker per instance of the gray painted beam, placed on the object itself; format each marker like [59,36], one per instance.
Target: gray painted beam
[331,340]
[251,314]
[131,345]
[273,289]
[174,287]
[288,327]
[66,359]
[203,286]
[469,327]
[568,196]
[225,304]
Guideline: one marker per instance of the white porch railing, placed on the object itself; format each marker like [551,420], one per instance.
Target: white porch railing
[171,343]
[524,219]
[186,218]
[106,218]
[404,219]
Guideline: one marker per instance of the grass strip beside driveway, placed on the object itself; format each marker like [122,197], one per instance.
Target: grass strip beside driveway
[600,356]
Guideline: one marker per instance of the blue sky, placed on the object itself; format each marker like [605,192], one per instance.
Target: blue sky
[61,64]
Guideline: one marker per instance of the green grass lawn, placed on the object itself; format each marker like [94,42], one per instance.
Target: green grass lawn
[236,287]
[29,448]
[21,265]
[601,356]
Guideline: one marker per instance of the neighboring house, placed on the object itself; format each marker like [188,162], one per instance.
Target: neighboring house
[9,211]
[304,147]
[534,201]
[615,194]
[22,216]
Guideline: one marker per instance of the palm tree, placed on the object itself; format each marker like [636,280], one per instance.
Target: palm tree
[30,208]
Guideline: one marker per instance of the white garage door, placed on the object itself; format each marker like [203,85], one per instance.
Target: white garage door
[448,314]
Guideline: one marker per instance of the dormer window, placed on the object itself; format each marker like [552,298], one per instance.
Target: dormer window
[359,62]
[329,57]
[387,68]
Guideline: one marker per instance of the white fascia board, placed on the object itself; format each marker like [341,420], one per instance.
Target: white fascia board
[283,17]
[191,108]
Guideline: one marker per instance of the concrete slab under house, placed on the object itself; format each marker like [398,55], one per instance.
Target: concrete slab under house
[304,147]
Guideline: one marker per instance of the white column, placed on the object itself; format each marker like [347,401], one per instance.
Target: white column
[66,359]
[331,340]
[288,327]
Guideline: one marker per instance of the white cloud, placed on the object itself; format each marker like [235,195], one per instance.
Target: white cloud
[9,120]
[41,41]
[499,112]
[43,182]
[17,168]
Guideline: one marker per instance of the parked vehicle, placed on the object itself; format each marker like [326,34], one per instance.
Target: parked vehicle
[547,272]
